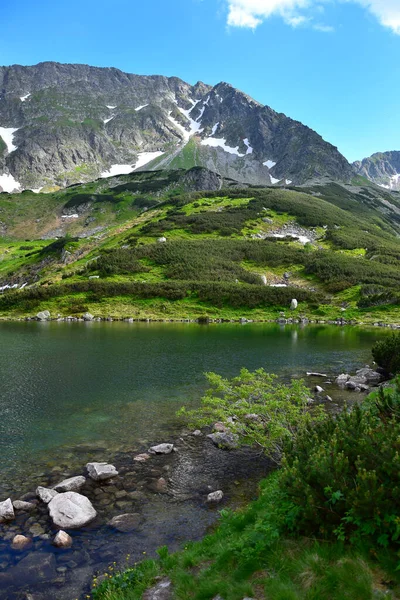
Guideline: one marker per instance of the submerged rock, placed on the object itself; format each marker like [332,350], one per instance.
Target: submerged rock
[100,471]
[126,522]
[71,510]
[161,449]
[142,457]
[73,484]
[6,511]
[21,505]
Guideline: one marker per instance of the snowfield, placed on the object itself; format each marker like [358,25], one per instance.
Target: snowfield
[221,143]
[7,133]
[146,157]
[9,184]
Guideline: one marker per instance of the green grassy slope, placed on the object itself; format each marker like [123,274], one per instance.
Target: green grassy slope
[221,248]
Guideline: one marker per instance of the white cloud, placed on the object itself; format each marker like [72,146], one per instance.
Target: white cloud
[251,13]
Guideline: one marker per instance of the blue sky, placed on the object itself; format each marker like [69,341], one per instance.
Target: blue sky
[332,64]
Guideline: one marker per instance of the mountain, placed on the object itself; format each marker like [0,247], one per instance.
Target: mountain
[383,168]
[62,124]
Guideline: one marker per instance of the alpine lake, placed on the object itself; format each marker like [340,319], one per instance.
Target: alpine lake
[78,392]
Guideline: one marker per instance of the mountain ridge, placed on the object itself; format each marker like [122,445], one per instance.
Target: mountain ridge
[68,123]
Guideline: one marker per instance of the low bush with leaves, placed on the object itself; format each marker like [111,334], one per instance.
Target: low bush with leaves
[386,353]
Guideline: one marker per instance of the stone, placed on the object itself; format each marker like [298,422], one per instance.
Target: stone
[226,441]
[62,540]
[36,530]
[71,510]
[43,315]
[220,427]
[126,522]
[35,568]
[142,457]
[100,471]
[264,279]
[293,304]
[215,497]
[161,591]
[87,316]
[45,494]
[197,433]
[73,484]
[162,240]
[161,449]
[6,511]
[342,379]
[21,542]
[369,375]
[318,389]
[160,486]
[25,506]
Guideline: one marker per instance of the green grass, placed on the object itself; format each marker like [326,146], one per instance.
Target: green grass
[247,556]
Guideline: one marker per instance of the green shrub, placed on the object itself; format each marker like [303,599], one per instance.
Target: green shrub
[343,477]
[386,353]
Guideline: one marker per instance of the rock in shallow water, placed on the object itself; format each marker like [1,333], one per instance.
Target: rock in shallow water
[71,510]
[45,494]
[161,449]
[227,441]
[125,523]
[21,505]
[62,540]
[21,542]
[215,497]
[100,471]
[6,511]
[73,484]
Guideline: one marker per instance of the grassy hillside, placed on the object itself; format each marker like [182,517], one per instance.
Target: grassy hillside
[95,248]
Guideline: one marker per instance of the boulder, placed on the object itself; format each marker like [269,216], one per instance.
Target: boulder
[342,379]
[161,240]
[142,457]
[125,523]
[21,542]
[21,505]
[73,484]
[369,375]
[226,441]
[45,494]
[293,304]
[43,315]
[161,449]
[318,389]
[87,316]
[160,486]
[215,497]
[37,567]
[221,427]
[71,510]
[100,471]
[62,540]
[161,591]
[6,511]
[264,279]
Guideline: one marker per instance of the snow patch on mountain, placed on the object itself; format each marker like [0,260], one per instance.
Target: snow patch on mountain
[23,98]
[249,148]
[7,133]
[117,170]
[269,164]
[107,120]
[214,129]
[394,183]
[110,107]
[273,180]
[146,157]
[140,107]
[221,143]
[8,183]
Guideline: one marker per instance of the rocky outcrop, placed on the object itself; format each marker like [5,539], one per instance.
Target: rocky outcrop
[383,168]
[101,471]
[71,510]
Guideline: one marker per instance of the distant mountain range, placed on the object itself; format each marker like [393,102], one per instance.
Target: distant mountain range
[383,168]
[62,124]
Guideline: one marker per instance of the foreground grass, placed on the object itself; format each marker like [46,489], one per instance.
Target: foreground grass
[247,556]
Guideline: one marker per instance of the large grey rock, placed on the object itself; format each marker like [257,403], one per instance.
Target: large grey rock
[161,449]
[215,497]
[101,471]
[43,315]
[126,522]
[45,494]
[369,375]
[73,484]
[6,511]
[293,304]
[71,510]
[88,316]
[342,379]
[224,440]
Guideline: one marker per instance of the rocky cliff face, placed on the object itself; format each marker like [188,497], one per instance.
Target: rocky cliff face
[383,168]
[63,124]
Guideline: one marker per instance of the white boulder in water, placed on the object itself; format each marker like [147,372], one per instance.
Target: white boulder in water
[161,449]
[100,471]
[45,494]
[73,484]
[6,511]
[71,510]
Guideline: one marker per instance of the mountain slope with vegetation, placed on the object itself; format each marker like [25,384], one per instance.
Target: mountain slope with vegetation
[190,244]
